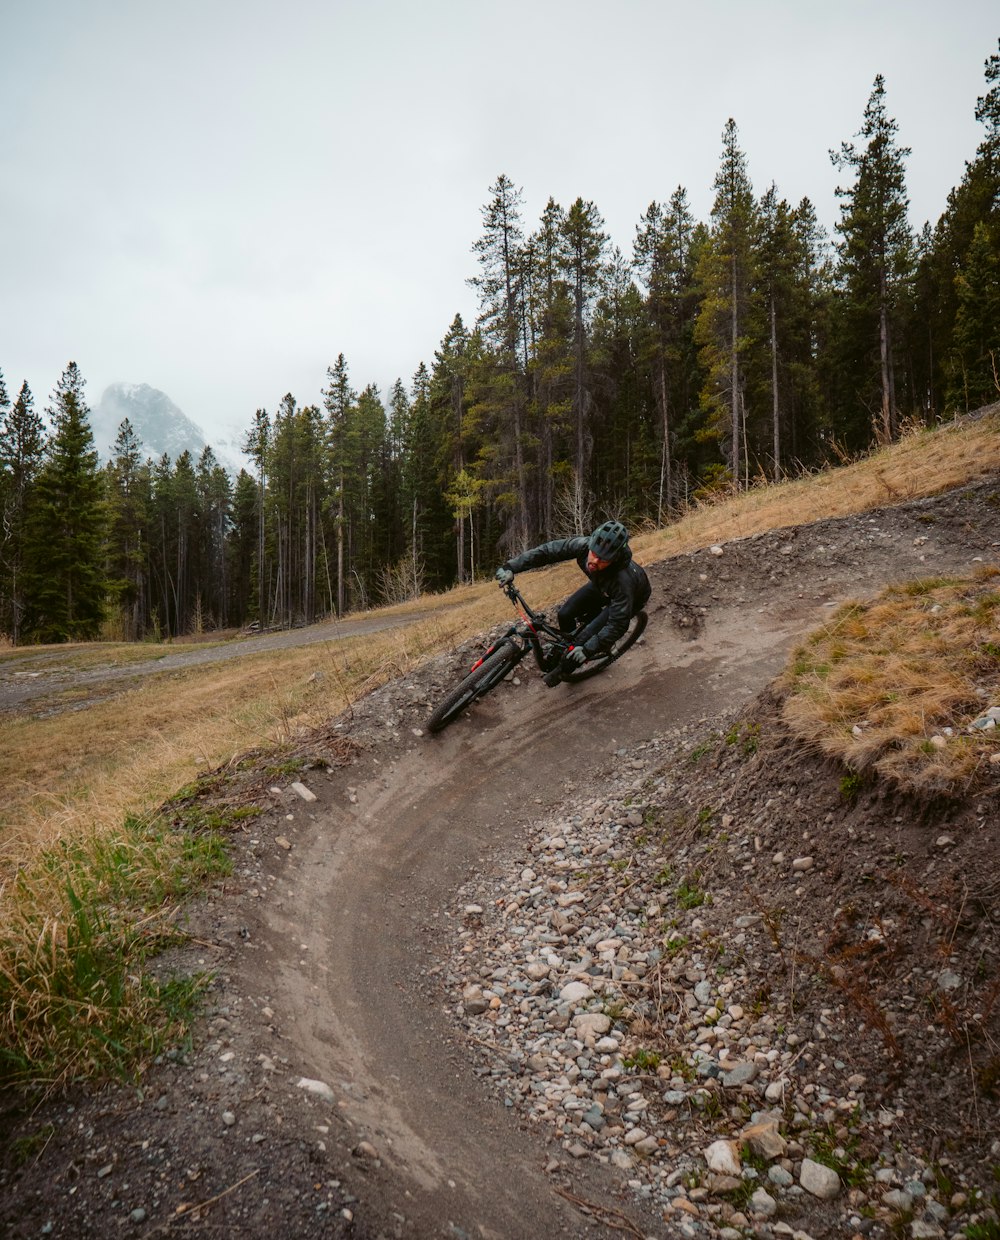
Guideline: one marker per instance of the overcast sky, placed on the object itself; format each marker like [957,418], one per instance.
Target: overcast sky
[216,197]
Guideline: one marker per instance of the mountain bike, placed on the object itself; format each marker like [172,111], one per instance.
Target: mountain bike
[533,634]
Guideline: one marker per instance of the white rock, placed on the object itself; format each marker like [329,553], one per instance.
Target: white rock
[723,1157]
[319,1088]
[576,992]
[763,1203]
[591,1024]
[823,1182]
[302,791]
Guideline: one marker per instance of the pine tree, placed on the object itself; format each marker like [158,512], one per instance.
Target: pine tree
[22,443]
[64,577]
[977,325]
[876,251]
[502,323]
[662,256]
[726,278]
[584,264]
[551,363]
[241,547]
[256,445]
[128,495]
[945,250]
[338,400]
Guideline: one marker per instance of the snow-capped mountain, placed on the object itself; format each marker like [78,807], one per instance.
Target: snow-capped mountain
[158,423]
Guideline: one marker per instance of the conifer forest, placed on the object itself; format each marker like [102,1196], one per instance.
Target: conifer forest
[717,355]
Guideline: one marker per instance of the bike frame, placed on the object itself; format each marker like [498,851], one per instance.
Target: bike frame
[527,635]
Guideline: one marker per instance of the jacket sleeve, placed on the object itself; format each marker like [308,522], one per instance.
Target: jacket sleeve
[547,553]
[619,614]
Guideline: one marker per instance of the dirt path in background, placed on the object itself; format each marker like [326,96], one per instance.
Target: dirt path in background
[330,939]
[19,689]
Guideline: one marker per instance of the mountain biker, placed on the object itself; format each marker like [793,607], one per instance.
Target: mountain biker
[615,590]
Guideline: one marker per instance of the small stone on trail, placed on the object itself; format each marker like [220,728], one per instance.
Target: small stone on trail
[723,1157]
[303,791]
[282,842]
[319,1088]
[365,1149]
[823,1182]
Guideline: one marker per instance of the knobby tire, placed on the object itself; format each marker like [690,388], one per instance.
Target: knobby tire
[476,685]
[637,626]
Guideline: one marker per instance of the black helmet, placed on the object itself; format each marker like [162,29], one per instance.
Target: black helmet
[608,539]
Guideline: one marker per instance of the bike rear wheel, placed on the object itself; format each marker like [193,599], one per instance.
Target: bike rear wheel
[636,628]
[476,685]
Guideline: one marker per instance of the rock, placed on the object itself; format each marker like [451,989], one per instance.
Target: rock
[764,1139]
[897,1199]
[319,1088]
[282,842]
[591,1024]
[763,1203]
[365,1149]
[741,1074]
[723,1157]
[228,1118]
[302,791]
[819,1180]
[576,992]
[474,1001]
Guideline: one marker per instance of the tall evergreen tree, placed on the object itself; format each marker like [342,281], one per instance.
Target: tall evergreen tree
[338,401]
[585,265]
[257,445]
[22,442]
[502,319]
[726,278]
[876,249]
[976,350]
[64,577]
[128,498]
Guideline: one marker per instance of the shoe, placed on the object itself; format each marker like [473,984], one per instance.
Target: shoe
[553,678]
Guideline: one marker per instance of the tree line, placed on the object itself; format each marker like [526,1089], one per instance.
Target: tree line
[592,383]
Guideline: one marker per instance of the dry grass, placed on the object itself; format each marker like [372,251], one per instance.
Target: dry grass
[923,462]
[894,685]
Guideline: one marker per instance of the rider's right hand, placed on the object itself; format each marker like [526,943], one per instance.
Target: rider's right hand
[504,576]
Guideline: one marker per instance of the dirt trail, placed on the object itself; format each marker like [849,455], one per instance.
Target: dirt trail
[368,900]
[329,945]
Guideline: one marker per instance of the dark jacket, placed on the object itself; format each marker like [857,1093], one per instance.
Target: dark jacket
[623,583]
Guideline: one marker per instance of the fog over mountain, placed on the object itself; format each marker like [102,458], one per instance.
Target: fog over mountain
[158,423]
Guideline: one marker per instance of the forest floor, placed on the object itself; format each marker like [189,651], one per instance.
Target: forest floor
[343,1079]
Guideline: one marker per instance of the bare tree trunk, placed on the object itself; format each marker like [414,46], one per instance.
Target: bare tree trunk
[340,547]
[666,482]
[734,377]
[887,431]
[775,410]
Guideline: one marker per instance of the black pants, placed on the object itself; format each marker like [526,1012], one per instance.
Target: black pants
[588,607]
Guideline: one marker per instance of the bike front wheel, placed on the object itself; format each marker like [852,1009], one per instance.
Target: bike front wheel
[477,684]
[636,628]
